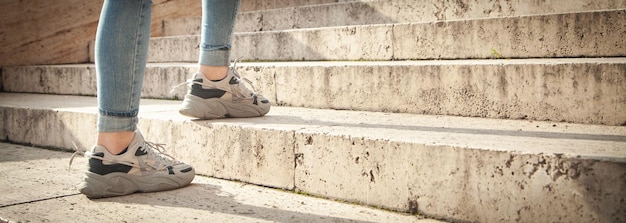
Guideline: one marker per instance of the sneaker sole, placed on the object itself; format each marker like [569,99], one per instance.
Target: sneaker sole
[118,184]
[212,108]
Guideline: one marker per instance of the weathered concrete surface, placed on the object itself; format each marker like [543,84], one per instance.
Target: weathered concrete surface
[80,79]
[583,34]
[253,5]
[254,16]
[35,39]
[51,79]
[588,34]
[585,90]
[241,156]
[29,37]
[382,12]
[457,183]
[556,90]
[37,186]
[468,169]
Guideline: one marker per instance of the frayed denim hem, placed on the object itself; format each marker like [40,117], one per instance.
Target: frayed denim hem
[117,124]
[215,56]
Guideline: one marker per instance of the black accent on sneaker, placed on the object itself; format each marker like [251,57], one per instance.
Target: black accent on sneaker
[123,151]
[215,80]
[233,80]
[186,170]
[197,90]
[170,170]
[96,166]
[140,152]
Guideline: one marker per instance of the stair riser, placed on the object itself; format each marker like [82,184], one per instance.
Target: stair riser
[258,156]
[589,92]
[71,80]
[459,183]
[453,182]
[81,80]
[588,34]
[253,5]
[229,152]
[581,93]
[384,12]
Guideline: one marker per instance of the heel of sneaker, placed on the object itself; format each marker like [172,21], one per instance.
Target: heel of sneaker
[196,107]
[98,186]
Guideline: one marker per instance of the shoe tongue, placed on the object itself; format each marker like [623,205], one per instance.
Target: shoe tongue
[234,80]
[123,151]
[199,75]
[137,141]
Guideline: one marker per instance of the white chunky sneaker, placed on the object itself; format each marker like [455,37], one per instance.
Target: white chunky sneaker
[142,167]
[228,97]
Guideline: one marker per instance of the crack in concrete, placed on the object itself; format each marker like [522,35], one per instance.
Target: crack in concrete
[38,200]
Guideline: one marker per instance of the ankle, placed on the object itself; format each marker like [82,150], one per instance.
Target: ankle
[214,73]
[115,142]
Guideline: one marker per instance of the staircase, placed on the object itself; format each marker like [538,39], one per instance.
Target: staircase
[467,111]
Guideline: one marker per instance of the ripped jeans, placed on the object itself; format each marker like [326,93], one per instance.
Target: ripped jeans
[121,50]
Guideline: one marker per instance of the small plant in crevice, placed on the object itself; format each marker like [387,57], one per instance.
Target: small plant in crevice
[495,53]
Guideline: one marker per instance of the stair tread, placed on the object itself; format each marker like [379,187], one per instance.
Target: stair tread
[517,136]
[608,60]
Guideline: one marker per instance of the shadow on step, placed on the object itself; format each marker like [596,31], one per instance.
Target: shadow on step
[296,120]
[208,197]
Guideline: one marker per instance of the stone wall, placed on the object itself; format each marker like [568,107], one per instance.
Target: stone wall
[36,32]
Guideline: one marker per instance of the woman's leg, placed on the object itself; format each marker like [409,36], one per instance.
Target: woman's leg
[218,20]
[121,51]
[122,162]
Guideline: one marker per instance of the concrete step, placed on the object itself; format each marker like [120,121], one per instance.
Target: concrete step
[386,12]
[255,5]
[458,169]
[37,186]
[580,90]
[582,34]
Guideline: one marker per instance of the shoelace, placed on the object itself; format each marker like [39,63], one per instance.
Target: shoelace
[160,154]
[77,152]
[150,149]
[247,93]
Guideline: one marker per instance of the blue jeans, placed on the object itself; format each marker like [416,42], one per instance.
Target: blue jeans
[121,51]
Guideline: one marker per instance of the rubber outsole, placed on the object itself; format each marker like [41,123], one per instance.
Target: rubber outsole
[119,184]
[212,108]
